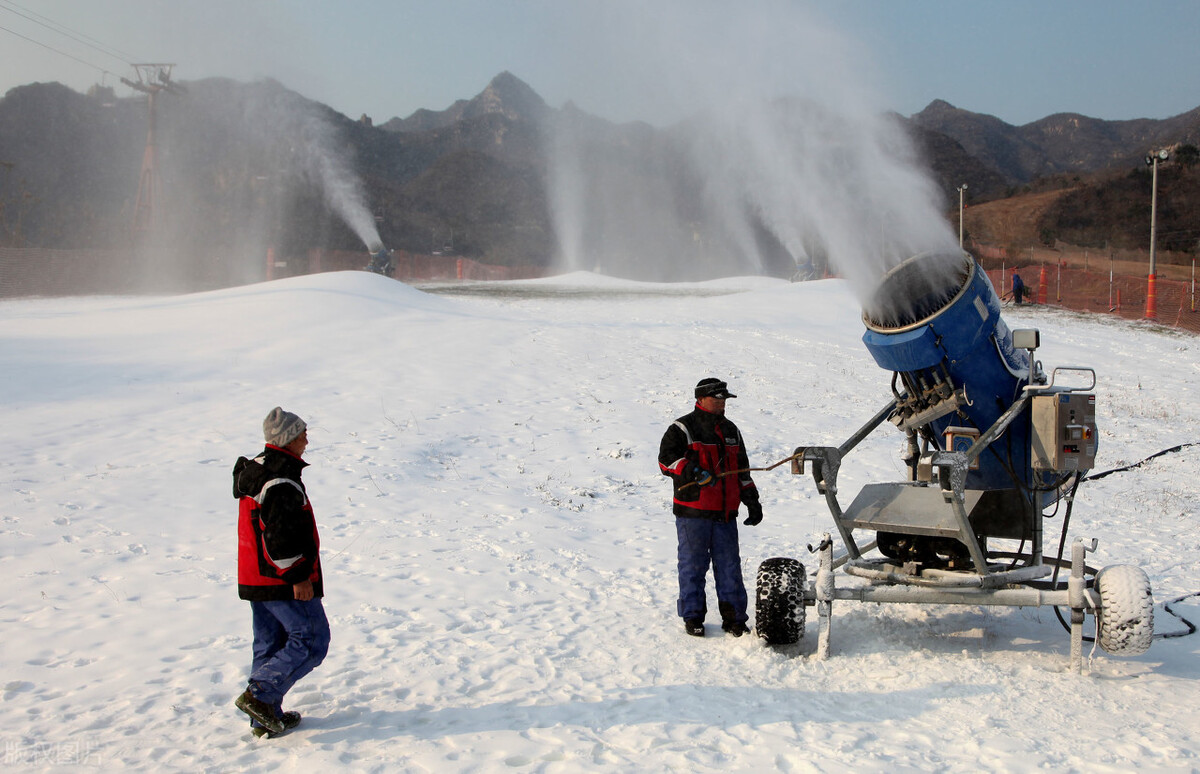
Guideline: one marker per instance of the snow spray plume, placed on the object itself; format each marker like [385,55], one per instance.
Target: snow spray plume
[787,151]
[341,185]
[250,167]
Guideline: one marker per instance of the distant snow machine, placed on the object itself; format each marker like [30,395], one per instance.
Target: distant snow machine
[992,444]
[380,261]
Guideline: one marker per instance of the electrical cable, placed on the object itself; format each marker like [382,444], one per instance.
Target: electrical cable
[1190,627]
[1096,476]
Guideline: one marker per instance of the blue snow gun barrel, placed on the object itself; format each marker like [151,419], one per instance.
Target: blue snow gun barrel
[934,321]
[381,260]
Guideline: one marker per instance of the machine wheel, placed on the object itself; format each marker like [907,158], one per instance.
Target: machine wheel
[1126,615]
[779,601]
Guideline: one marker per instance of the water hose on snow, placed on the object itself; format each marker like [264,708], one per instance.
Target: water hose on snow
[1190,627]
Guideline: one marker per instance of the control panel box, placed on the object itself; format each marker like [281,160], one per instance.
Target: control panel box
[1064,431]
[961,439]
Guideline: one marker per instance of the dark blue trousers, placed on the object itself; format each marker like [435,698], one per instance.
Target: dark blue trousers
[290,639]
[703,542]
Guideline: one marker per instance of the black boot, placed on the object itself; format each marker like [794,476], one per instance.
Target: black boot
[694,627]
[261,711]
[290,721]
[736,628]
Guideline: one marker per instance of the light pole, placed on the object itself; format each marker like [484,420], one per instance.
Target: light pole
[961,188]
[1152,160]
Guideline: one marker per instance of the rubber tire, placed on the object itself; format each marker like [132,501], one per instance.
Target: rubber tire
[1126,616]
[779,601]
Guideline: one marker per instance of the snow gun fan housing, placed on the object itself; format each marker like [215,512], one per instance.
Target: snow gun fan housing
[934,321]
[991,444]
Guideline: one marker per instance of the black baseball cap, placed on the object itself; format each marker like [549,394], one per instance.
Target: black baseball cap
[713,388]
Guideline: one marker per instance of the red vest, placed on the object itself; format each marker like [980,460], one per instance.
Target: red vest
[256,567]
[715,444]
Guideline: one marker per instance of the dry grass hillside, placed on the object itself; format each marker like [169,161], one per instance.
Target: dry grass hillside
[1014,224]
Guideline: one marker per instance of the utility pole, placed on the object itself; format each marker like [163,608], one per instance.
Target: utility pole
[151,79]
[961,188]
[1152,160]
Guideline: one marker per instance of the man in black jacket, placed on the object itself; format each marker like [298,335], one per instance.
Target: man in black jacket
[704,455]
[279,572]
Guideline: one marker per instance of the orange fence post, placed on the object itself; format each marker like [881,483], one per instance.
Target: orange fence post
[458,268]
[1172,298]
[1151,299]
[1110,281]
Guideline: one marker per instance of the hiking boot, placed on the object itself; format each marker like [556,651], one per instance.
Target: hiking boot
[694,627]
[259,710]
[736,628]
[290,721]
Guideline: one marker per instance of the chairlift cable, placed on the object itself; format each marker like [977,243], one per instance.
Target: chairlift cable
[55,50]
[64,30]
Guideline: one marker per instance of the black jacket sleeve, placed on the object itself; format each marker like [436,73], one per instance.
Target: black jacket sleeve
[288,532]
[673,457]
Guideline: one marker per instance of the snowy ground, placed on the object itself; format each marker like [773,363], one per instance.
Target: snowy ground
[498,548]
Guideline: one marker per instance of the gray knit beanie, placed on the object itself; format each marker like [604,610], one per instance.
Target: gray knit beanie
[282,427]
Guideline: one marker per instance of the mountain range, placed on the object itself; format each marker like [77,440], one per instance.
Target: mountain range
[243,165]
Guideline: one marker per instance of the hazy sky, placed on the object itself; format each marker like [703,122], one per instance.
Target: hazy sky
[1019,60]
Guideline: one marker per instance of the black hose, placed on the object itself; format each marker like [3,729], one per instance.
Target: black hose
[1173,449]
[1190,627]
[1189,630]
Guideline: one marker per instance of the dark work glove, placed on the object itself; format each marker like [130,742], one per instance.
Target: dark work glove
[700,476]
[755,514]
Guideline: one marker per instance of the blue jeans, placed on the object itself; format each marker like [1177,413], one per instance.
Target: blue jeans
[703,542]
[290,639]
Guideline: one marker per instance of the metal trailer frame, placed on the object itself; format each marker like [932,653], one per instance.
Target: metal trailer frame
[988,583]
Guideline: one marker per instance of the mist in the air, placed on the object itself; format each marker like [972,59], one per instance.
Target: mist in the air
[785,156]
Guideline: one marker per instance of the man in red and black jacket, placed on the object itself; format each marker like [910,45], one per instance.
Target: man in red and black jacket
[704,455]
[279,572]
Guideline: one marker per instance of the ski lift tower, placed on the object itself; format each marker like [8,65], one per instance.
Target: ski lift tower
[151,79]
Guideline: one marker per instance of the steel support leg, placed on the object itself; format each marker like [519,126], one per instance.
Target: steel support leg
[825,590]
[1076,593]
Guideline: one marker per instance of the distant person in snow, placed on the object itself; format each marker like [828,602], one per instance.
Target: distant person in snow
[279,572]
[705,457]
[1018,287]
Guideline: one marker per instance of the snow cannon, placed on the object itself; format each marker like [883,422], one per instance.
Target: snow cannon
[992,443]
[934,322]
[380,260]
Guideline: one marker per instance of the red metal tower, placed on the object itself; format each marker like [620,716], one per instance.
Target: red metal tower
[151,79]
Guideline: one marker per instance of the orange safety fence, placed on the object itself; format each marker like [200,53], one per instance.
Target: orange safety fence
[47,272]
[31,271]
[35,271]
[1098,291]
